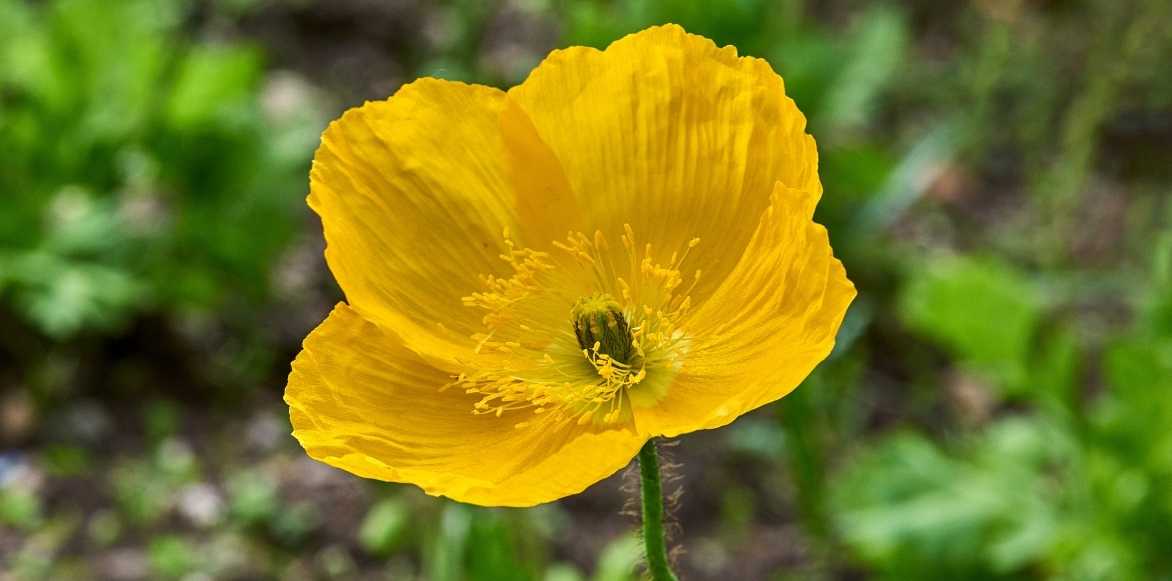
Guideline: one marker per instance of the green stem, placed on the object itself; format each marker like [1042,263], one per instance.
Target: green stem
[653,539]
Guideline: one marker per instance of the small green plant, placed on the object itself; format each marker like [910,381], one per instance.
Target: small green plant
[142,171]
[1070,488]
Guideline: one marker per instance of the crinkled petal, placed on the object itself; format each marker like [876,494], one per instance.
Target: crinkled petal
[764,330]
[361,401]
[678,138]
[413,195]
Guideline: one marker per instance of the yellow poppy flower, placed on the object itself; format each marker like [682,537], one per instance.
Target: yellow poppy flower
[541,279]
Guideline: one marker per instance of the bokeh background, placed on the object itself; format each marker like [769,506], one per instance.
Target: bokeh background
[998,177]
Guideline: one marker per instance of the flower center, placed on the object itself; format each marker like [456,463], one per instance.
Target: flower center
[625,313]
[601,327]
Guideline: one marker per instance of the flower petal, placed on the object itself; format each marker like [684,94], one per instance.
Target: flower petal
[764,330]
[361,401]
[678,138]
[413,196]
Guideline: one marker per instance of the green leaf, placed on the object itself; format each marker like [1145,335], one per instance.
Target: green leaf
[493,550]
[19,508]
[385,526]
[916,511]
[253,497]
[172,556]
[63,296]
[444,559]
[984,311]
[563,572]
[214,85]
[877,54]
[618,560]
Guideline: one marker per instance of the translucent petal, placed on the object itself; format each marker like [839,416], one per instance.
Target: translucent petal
[413,195]
[678,138]
[361,401]
[764,330]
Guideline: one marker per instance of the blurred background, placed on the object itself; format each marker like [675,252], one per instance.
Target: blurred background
[998,177]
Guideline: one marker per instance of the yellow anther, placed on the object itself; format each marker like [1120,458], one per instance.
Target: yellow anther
[518,362]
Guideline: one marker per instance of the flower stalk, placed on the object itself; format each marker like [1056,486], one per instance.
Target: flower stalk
[654,543]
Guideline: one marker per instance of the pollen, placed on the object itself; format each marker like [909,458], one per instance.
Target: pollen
[625,312]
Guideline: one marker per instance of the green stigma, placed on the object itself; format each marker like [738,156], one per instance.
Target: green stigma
[599,324]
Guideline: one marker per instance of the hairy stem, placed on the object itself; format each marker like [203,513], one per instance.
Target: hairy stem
[653,538]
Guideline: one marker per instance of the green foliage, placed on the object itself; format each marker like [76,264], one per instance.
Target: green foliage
[294,522]
[56,284]
[66,460]
[139,170]
[598,23]
[985,312]
[872,61]
[253,497]
[19,507]
[1079,498]
[562,572]
[478,545]
[619,559]
[385,526]
[172,557]
[922,514]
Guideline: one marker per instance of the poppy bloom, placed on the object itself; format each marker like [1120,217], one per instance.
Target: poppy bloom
[540,280]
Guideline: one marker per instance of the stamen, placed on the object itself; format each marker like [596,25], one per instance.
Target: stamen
[581,374]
